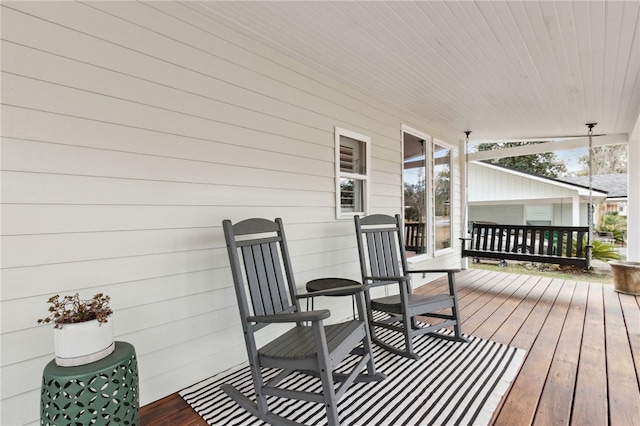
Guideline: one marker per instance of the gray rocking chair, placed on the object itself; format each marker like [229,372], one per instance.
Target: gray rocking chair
[260,263]
[383,262]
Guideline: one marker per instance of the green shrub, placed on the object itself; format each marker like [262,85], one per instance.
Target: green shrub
[614,223]
[604,251]
[599,250]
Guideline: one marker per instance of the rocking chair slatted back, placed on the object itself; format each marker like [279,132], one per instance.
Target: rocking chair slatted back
[385,250]
[263,277]
[270,291]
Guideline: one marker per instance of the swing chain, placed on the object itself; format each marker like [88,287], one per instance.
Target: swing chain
[466,182]
[591,208]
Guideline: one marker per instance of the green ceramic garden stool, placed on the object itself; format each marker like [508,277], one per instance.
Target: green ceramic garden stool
[104,392]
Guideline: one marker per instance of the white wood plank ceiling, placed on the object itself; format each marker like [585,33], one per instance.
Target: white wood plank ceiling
[505,70]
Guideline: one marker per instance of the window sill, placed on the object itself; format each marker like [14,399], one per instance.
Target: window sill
[444,252]
[419,258]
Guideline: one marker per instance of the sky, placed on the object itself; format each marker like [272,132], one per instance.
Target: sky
[570,159]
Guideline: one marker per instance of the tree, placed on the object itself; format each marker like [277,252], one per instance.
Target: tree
[614,223]
[544,164]
[606,160]
[442,193]
[414,201]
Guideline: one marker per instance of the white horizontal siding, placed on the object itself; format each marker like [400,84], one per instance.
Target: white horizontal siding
[503,214]
[563,214]
[128,135]
[80,131]
[488,184]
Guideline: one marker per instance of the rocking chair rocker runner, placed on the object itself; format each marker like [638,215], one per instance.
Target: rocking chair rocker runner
[383,262]
[260,263]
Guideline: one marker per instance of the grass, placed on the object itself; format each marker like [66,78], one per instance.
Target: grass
[545,270]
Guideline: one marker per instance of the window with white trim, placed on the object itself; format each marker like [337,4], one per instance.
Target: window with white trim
[427,194]
[442,195]
[352,173]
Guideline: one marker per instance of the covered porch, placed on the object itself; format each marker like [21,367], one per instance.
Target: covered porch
[582,341]
[132,129]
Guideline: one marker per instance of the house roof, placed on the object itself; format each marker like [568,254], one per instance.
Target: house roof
[614,184]
[507,70]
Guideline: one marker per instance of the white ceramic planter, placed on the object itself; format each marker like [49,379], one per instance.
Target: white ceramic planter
[83,342]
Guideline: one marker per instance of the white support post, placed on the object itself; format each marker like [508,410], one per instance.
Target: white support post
[633,195]
[575,211]
[465,212]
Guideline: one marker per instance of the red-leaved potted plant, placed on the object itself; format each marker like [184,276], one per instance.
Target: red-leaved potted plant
[82,331]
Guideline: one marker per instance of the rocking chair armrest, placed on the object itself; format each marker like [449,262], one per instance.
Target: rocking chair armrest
[385,278]
[292,317]
[429,271]
[338,291]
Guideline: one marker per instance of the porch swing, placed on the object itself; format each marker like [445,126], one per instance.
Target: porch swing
[562,245]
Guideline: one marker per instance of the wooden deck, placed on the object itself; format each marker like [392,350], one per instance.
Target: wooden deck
[582,341]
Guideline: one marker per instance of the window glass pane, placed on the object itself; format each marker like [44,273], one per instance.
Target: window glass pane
[415,202]
[352,176]
[442,196]
[352,158]
[351,195]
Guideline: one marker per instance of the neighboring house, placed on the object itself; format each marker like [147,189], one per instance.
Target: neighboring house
[502,195]
[615,185]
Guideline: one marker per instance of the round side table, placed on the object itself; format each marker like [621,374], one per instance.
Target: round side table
[329,284]
[104,392]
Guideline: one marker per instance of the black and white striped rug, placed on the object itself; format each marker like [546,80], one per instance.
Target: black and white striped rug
[451,384]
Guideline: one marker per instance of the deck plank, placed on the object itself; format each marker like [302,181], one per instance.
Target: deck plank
[624,394]
[503,313]
[510,328]
[631,311]
[491,293]
[494,309]
[590,400]
[478,289]
[170,411]
[556,401]
[550,312]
